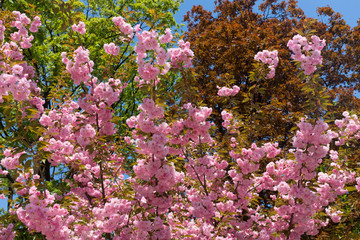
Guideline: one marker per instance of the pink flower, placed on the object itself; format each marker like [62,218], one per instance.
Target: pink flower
[312,56]
[167,37]
[270,58]
[17,69]
[81,68]
[11,161]
[88,131]
[334,215]
[80,28]
[181,57]
[35,24]
[124,26]
[111,48]
[224,91]
[2,30]
[283,187]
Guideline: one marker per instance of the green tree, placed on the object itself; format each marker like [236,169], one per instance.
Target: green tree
[54,37]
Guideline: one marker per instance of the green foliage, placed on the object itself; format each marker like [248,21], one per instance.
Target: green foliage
[54,37]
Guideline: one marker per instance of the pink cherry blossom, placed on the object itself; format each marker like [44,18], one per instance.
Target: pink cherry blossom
[112,49]
[80,28]
[270,58]
[312,56]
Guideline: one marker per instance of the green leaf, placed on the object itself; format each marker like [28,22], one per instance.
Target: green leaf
[22,158]
[351,188]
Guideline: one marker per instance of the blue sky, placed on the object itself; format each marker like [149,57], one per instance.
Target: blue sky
[350,9]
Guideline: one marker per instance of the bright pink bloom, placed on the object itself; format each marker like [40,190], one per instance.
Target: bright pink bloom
[270,58]
[312,56]
[224,91]
[35,24]
[167,37]
[80,27]
[124,26]
[111,48]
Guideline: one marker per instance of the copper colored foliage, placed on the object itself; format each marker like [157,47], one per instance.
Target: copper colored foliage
[225,42]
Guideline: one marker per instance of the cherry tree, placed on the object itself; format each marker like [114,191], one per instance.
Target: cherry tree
[164,177]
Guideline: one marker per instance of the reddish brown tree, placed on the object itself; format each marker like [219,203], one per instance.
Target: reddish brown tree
[225,42]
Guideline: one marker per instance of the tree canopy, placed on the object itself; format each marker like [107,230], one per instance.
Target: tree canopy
[108,132]
[225,42]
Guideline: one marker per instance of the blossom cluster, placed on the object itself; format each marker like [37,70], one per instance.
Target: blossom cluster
[21,21]
[312,56]
[80,28]
[224,91]
[125,27]
[15,79]
[151,42]
[11,161]
[39,209]
[80,67]
[268,57]
[7,232]
[2,30]
[111,48]
[181,56]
